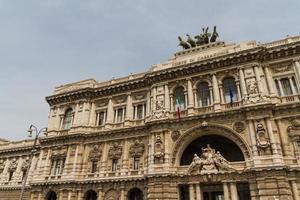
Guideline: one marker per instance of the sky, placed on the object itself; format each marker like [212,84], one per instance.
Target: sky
[48,43]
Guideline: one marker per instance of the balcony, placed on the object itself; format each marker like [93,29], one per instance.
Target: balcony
[290,98]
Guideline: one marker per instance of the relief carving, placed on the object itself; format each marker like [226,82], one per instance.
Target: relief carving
[95,153]
[137,149]
[25,165]
[253,95]
[12,165]
[210,161]
[115,151]
[294,129]
[175,135]
[59,152]
[159,149]
[261,139]
[160,111]
[2,166]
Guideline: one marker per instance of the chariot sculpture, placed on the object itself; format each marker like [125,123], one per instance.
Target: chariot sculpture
[203,38]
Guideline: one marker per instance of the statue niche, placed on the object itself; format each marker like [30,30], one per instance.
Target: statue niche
[210,161]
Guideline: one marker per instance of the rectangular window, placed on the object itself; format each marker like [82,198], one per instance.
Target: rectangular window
[114,165]
[10,175]
[119,115]
[101,118]
[58,166]
[136,163]
[139,111]
[286,86]
[94,166]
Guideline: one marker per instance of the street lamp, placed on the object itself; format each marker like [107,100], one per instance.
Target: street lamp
[32,130]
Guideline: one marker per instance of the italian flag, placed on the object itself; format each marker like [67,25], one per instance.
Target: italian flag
[178,105]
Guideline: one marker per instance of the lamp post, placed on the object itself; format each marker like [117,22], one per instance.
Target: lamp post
[32,129]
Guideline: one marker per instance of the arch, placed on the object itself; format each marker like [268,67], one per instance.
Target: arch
[207,129]
[228,149]
[135,194]
[90,195]
[51,195]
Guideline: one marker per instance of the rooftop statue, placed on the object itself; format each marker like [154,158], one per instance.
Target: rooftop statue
[182,43]
[204,38]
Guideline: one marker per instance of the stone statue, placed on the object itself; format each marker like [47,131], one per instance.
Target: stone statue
[199,39]
[191,41]
[183,44]
[215,35]
[206,35]
[209,162]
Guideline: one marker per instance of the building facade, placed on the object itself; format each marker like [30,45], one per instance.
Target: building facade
[215,122]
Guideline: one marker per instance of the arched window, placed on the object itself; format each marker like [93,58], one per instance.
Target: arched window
[51,196]
[68,119]
[203,94]
[230,90]
[179,98]
[90,195]
[135,194]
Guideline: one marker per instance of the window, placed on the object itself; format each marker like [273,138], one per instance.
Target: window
[136,163]
[68,119]
[24,172]
[139,111]
[203,95]
[179,97]
[58,166]
[94,166]
[119,115]
[10,175]
[230,90]
[114,165]
[101,118]
[286,86]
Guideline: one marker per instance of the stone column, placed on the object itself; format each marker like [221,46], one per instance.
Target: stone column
[222,94]
[122,195]
[198,192]
[75,160]
[148,107]
[192,192]
[215,89]
[252,137]
[270,81]
[69,194]
[242,83]
[271,136]
[92,120]
[280,87]
[295,190]
[257,76]
[226,191]
[292,86]
[284,138]
[60,195]
[239,96]
[110,112]
[297,68]
[190,97]
[167,98]
[233,191]
[100,193]
[154,98]
[80,195]
[39,195]
[129,109]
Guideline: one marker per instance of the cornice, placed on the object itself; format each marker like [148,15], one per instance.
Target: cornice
[258,54]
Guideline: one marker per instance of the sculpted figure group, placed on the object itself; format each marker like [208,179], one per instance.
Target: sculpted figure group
[209,161]
[204,38]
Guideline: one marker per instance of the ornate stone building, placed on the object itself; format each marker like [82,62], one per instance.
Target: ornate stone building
[217,121]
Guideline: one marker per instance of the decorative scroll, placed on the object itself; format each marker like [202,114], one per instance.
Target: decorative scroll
[137,149]
[210,161]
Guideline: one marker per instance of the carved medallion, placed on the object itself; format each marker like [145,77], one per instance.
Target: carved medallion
[261,139]
[175,135]
[239,127]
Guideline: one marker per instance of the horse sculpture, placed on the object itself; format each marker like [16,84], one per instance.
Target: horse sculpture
[191,41]
[215,35]
[183,44]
